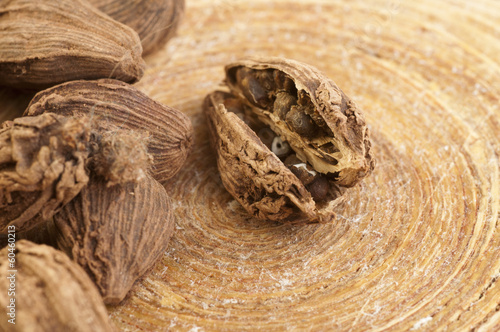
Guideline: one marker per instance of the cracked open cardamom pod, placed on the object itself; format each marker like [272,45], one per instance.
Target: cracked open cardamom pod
[116,233]
[48,292]
[155,21]
[114,104]
[321,144]
[47,42]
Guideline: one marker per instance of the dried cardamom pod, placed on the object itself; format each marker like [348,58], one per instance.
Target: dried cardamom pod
[111,103]
[46,42]
[155,21]
[42,167]
[47,292]
[116,233]
[291,143]
[45,161]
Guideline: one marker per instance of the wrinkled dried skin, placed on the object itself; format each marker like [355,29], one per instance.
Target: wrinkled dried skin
[113,104]
[42,167]
[155,21]
[255,176]
[52,293]
[116,234]
[308,111]
[47,42]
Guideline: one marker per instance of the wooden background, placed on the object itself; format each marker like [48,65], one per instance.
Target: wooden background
[417,245]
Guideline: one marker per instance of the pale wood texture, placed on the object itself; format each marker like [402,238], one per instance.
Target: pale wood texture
[417,246]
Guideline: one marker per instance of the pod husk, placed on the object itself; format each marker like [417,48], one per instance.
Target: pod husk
[47,42]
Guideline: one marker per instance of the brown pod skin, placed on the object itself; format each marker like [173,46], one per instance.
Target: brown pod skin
[47,42]
[116,104]
[155,21]
[340,142]
[52,293]
[42,167]
[116,233]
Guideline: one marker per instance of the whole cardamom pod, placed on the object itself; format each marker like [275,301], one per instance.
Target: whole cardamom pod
[47,292]
[116,233]
[47,42]
[113,104]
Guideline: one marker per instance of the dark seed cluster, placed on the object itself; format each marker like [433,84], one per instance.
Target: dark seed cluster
[274,91]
